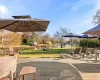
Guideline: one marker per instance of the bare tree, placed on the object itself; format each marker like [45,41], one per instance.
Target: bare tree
[53,40]
[45,38]
[59,35]
[96,18]
[36,36]
[40,37]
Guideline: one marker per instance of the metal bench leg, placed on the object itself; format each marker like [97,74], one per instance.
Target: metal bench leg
[34,76]
[98,55]
[83,55]
[11,75]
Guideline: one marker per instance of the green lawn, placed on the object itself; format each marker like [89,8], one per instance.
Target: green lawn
[53,53]
[40,56]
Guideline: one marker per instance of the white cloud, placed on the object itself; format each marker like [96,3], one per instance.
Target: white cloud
[97,4]
[88,17]
[3,9]
[80,4]
[77,5]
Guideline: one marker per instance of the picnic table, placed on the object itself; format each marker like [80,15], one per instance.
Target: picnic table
[27,70]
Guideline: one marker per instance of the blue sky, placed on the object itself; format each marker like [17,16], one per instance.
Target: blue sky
[76,15]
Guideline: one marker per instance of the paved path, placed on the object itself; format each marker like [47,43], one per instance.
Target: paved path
[61,69]
[86,67]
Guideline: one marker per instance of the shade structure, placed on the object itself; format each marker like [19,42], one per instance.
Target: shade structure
[94,31]
[88,36]
[71,35]
[22,17]
[24,24]
[91,36]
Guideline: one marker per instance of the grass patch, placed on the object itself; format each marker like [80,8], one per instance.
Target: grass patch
[52,51]
[40,56]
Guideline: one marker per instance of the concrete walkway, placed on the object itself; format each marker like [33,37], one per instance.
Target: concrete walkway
[86,67]
[61,69]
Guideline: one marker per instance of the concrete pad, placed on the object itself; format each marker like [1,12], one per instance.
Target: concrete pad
[62,69]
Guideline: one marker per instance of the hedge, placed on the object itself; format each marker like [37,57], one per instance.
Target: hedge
[89,43]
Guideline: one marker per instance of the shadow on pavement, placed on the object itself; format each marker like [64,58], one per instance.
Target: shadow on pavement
[88,68]
[51,71]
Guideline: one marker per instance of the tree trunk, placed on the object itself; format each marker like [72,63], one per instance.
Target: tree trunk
[61,46]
